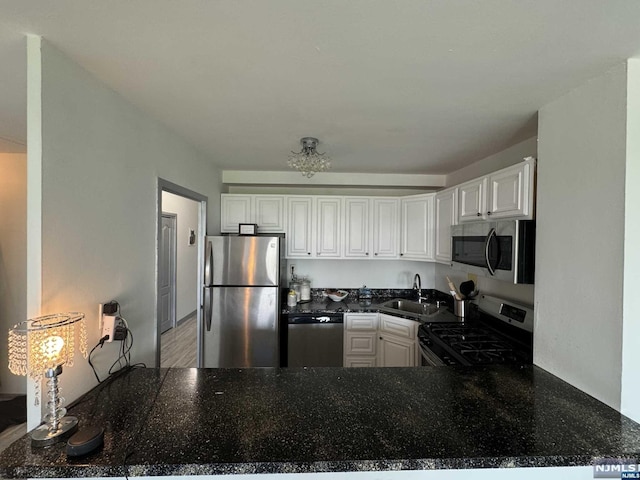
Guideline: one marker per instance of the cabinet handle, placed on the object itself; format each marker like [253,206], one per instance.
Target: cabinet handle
[380,338]
[308,253]
[376,253]
[367,253]
[478,214]
[401,254]
[488,213]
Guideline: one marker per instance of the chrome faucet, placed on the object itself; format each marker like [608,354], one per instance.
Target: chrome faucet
[417,286]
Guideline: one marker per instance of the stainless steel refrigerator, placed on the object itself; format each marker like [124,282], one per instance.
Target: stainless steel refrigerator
[241,301]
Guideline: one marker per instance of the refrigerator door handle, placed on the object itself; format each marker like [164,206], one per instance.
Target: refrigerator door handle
[208,310]
[208,264]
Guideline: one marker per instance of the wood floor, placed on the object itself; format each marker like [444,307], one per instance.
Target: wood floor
[178,345]
[11,434]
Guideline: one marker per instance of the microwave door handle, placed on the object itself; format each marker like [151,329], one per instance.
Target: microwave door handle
[492,233]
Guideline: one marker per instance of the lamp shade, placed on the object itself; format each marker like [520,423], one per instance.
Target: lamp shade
[39,348]
[47,342]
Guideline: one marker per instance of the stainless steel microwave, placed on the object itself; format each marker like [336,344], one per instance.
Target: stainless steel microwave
[504,250]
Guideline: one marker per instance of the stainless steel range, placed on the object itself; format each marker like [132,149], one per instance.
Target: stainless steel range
[500,333]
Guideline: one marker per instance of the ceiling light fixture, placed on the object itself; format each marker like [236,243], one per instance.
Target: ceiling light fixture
[308,161]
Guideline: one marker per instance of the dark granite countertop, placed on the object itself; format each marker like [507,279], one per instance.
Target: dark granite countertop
[225,421]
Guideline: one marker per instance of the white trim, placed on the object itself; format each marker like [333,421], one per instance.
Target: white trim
[34,201]
[253,177]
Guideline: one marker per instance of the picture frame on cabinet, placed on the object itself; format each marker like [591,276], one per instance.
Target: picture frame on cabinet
[247,229]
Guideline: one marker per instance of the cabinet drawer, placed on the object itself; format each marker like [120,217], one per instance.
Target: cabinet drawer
[360,343]
[398,326]
[359,362]
[361,321]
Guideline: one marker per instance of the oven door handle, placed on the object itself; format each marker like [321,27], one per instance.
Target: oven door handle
[492,234]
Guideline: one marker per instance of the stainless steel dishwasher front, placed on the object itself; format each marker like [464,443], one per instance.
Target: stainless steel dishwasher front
[315,340]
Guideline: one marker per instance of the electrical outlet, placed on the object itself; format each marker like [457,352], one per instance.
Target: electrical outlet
[109,326]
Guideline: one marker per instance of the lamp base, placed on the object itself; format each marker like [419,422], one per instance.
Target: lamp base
[41,436]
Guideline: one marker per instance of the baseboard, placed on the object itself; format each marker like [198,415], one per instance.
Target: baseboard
[186,317]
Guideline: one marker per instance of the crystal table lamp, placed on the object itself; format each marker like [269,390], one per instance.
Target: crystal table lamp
[39,347]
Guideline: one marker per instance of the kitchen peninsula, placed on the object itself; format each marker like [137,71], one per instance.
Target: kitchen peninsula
[168,422]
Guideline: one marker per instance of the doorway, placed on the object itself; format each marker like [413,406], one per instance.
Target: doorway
[179,270]
[167,272]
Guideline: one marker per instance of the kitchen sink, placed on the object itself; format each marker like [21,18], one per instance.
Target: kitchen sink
[423,311]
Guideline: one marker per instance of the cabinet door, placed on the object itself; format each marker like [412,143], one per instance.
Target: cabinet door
[384,231]
[472,200]
[269,213]
[328,227]
[356,227]
[396,352]
[509,192]
[235,209]
[299,220]
[417,227]
[446,215]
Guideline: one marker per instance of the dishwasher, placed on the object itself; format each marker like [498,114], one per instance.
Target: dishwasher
[315,340]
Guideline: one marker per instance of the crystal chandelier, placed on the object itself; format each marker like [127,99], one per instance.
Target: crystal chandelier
[308,161]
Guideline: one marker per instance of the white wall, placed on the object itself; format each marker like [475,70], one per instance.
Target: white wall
[505,158]
[355,273]
[13,259]
[187,212]
[101,159]
[580,232]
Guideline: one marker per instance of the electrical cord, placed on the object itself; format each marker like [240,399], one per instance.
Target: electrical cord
[125,350]
[99,344]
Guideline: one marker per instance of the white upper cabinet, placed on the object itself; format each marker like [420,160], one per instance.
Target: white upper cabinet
[417,220]
[371,227]
[446,216]
[385,228]
[299,222]
[235,209]
[511,192]
[507,193]
[267,211]
[270,213]
[356,227]
[328,230]
[472,200]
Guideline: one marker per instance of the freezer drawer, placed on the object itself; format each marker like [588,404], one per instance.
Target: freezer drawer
[242,330]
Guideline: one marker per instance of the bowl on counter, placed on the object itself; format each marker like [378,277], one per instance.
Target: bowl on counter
[336,295]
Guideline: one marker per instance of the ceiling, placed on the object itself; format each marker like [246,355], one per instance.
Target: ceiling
[404,86]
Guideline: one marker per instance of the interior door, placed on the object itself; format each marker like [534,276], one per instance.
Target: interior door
[167,273]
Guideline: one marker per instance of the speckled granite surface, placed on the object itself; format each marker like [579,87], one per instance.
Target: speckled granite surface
[223,421]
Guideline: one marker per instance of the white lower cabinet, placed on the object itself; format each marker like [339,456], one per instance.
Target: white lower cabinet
[396,352]
[360,339]
[397,342]
[372,339]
